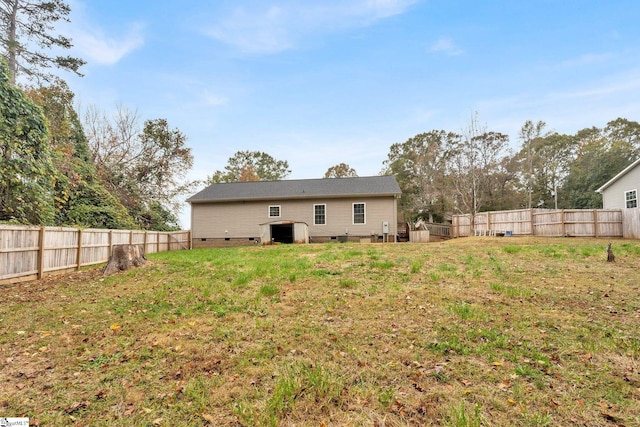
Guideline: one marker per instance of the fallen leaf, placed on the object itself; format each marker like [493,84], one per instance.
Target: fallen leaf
[497,364]
[612,418]
[76,407]
[419,387]
[157,421]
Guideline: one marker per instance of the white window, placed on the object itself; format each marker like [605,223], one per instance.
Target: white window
[274,211]
[358,213]
[631,198]
[319,214]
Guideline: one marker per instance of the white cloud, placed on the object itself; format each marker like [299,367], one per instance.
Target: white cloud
[566,111]
[213,100]
[254,32]
[93,43]
[588,59]
[447,46]
[265,29]
[99,48]
[626,84]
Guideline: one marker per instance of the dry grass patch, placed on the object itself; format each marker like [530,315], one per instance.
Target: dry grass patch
[469,332]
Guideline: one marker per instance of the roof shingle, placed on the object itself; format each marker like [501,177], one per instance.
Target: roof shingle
[298,188]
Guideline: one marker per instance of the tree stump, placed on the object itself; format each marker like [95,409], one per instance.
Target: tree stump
[123,257]
[610,256]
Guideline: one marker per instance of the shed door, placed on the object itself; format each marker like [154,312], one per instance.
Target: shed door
[282,233]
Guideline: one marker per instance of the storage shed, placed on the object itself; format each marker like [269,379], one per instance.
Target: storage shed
[284,232]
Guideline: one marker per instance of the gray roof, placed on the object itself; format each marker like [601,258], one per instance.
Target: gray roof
[299,188]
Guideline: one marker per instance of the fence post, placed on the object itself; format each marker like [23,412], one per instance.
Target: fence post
[41,253]
[596,226]
[189,240]
[563,228]
[110,244]
[79,252]
[533,223]
[144,243]
[131,237]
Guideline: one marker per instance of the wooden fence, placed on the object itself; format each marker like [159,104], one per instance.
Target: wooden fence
[631,223]
[440,230]
[543,222]
[419,236]
[28,253]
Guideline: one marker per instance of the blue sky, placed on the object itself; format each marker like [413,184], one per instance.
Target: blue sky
[318,83]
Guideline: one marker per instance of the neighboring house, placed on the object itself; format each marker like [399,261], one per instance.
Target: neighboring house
[621,191]
[288,211]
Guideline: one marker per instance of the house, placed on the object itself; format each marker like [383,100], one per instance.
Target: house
[288,211]
[621,191]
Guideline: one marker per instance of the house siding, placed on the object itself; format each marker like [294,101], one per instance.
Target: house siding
[613,197]
[239,221]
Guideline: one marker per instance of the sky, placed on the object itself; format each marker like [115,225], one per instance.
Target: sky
[318,83]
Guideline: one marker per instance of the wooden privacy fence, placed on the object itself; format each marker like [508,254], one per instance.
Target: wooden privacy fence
[419,236]
[28,253]
[631,223]
[542,222]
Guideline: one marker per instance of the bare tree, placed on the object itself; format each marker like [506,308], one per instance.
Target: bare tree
[529,133]
[144,167]
[473,166]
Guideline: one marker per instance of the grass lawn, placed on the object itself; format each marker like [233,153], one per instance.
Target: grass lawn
[469,332]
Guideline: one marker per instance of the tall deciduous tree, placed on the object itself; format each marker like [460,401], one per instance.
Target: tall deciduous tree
[341,170]
[473,166]
[27,32]
[251,166]
[601,154]
[420,167]
[529,133]
[26,171]
[625,131]
[548,158]
[79,195]
[145,168]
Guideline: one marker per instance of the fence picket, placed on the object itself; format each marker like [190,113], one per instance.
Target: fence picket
[28,252]
[544,222]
